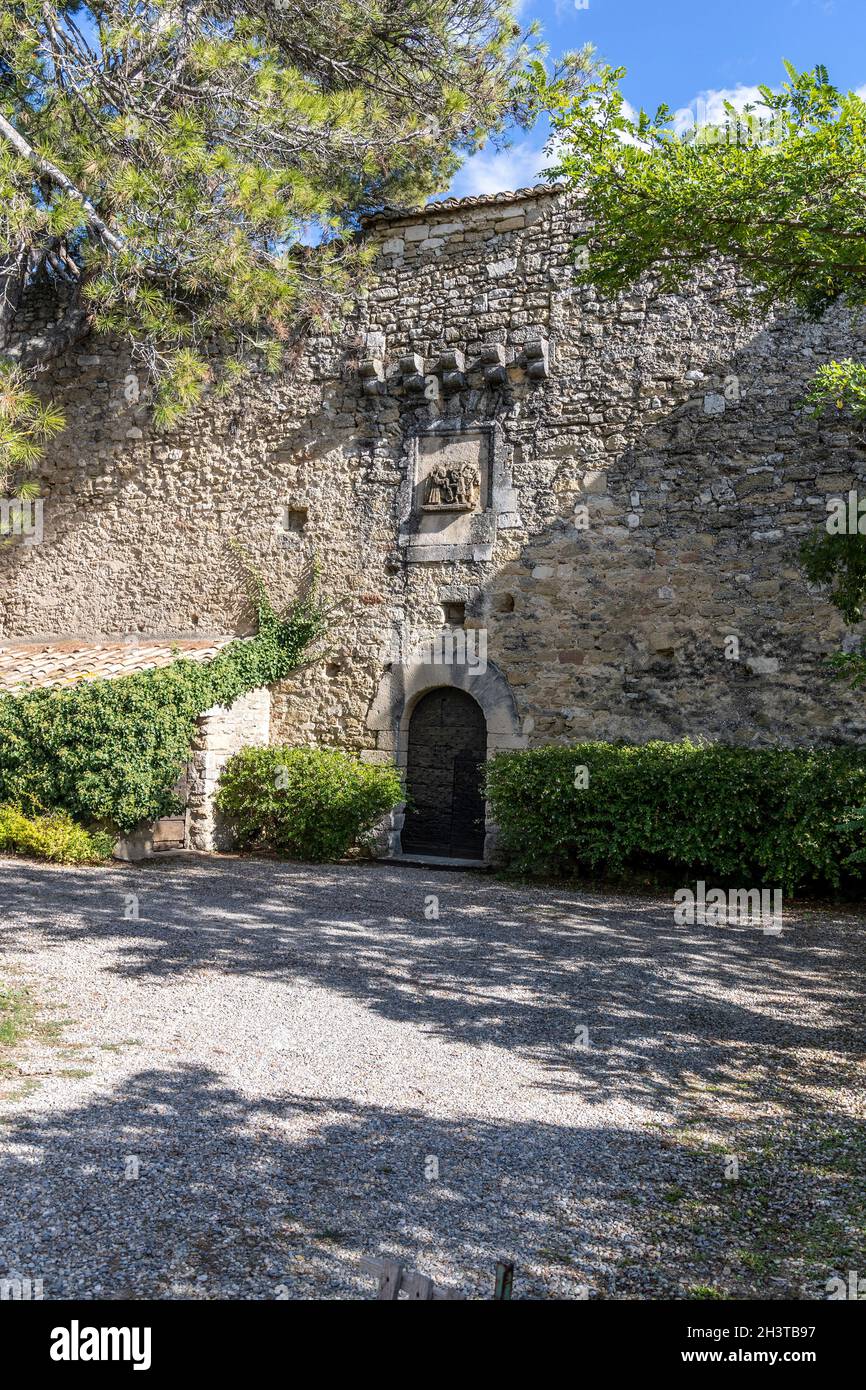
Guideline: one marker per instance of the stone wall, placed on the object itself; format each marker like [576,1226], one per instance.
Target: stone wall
[651,476]
[221,732]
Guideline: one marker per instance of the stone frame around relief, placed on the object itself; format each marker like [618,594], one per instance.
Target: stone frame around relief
[499,503]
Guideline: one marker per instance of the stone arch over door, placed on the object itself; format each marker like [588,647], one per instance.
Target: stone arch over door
[389,720]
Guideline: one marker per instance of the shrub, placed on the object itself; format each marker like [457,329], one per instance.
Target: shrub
[111,751]
[782,817]
[305,803]
[52,836]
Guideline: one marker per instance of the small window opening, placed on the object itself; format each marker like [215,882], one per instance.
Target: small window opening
[455,614]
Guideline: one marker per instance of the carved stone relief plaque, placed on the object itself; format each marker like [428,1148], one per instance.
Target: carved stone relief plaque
[451,488]
[456,491]
[451,482]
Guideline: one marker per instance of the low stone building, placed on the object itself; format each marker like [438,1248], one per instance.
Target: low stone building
[539,516]
[220,731]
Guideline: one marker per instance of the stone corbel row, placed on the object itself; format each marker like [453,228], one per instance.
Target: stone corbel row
[451,368]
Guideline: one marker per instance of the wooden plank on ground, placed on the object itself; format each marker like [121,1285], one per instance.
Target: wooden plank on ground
[394,1280]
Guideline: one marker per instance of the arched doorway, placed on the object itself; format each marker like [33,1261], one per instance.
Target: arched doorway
[444,770]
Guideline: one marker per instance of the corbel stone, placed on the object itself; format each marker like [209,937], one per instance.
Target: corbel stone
[537,359]
[493,354]
[493,360]
[452,366]
[412,372]
[372,373]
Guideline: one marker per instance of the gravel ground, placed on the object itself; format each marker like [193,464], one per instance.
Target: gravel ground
[284,1054]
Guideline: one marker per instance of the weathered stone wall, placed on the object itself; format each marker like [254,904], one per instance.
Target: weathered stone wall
[676,426]
[222,731]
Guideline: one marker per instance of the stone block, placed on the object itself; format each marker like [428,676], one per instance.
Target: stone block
[452,361]
[138,844]
[493,354]
[411,362]
[536,355]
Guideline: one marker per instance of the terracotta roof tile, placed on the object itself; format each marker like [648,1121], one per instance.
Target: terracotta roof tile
[392,214]
[28,665]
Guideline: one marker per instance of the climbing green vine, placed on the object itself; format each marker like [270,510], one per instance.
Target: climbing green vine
[110,751]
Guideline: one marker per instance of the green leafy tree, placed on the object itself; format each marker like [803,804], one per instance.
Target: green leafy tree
[180,171]
[778,189]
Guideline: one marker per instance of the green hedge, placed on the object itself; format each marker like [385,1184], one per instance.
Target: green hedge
[110,752]
[305,803]
[53,836]
[781,817]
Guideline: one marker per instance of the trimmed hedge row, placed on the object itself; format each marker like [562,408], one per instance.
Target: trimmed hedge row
[793,818]
[305,803]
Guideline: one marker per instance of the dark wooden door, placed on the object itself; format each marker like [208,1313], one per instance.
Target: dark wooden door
[447,750]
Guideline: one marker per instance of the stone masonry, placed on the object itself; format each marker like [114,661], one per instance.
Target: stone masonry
[221,732]
[634,479]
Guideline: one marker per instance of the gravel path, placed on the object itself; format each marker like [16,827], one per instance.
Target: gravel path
[285,1053]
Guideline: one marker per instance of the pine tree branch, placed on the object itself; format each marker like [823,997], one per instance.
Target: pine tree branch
[62,181]
[13,270]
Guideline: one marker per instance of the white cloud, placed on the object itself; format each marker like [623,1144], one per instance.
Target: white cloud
[708,107]
[493,171]
[521,166]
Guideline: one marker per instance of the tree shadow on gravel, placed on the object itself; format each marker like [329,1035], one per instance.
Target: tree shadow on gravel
[706,1012]
[279,1197]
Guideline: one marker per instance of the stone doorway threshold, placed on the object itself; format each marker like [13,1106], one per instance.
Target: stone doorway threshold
[435,861]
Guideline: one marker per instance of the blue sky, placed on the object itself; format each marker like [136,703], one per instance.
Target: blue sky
[679,51]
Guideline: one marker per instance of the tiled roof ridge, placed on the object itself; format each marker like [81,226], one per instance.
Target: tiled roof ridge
[517,195]
[131,640]
[27,663]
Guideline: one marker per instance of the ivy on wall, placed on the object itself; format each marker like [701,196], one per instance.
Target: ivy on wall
[110,751]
